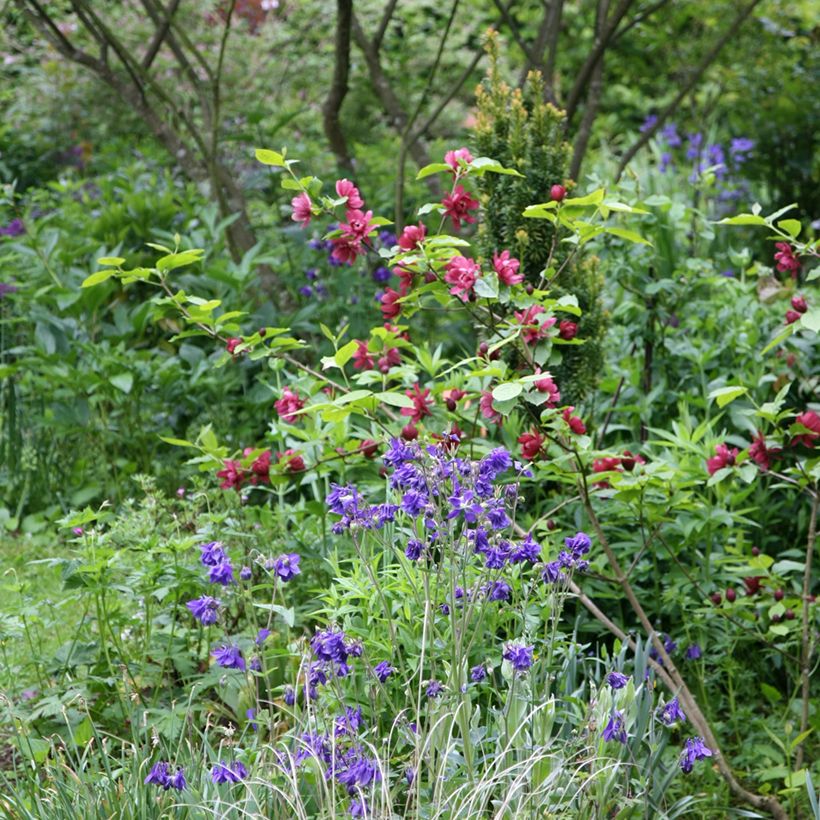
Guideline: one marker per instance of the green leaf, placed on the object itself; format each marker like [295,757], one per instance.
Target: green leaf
[345,354]
[726,395]
[593,198]
[267,157]
[97,278]
[487,287]
[433,168]
[507,391]
[352,396]
[177,442]
[116,261]
[483,165]
[177,260]
[123,381]
[790,226]
[395,399]
[811,320]
[781,337]
[743,219]
[630,236]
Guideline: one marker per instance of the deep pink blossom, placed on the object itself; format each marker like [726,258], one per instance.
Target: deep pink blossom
[547,385]
[452,158]
[785,259]
[462,274]
[421,403]
[506,267]
[724,457]
[810,420]
[567,330]
[260,469]
[362,359]
[293,461]
[412,236]
[760,453]
[533,331]
[302,209]
[485,404]
[358,224]
[575,423]
[391,357]
[232,475]
[289,404]
[344,187]
[531,444]
[232,344]
[346,249]
[557,193]
[390,303]
[458,204]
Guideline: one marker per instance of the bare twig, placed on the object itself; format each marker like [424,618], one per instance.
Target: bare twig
[160,34]
[338,88]
[602,41]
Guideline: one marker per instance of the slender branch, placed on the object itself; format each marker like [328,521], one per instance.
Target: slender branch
[512,25]
[602,41]
[693,80]
[160,34]
[638,19]
[338,88]
[551,48]
[806,642]
[385,22]
[596,87]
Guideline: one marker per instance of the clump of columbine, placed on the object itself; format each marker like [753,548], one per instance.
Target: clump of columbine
[448,525]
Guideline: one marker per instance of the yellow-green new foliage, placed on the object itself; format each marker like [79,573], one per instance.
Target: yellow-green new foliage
[520,130]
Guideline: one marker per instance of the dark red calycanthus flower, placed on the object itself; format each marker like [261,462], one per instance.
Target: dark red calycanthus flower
[810,420]
[421,403]
[575,423]
[390,303]
[232,344]
[567,330]
[724,457]
[531,444]
[557,193]
[369,448]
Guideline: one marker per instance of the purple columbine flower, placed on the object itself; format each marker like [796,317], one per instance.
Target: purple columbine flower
[494,463]
[551,574]
[434,689]
[399,453]
[478,673]
[229,656]
[383,671]
[228,772]
[672,713]
[693,652]
[381,275]
[205,609]
[287,566]
[221,574]
[670,135]
[614,730]
[161,775]
[578,544]
[617,680]
[409,775]
[329,645]
[261,636]
[496,557]
[250,714]
[694,749]
[414,549]
[521,657]
[6,289]
[528,550]
[213,553]
[14,228]
[245,573]
[649,123]
[358,807]
[499,591]
[414,502]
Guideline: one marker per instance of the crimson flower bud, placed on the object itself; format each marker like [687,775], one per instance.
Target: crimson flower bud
[799,303]
[557,193]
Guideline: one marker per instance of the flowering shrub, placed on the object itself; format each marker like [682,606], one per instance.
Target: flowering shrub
[444,569]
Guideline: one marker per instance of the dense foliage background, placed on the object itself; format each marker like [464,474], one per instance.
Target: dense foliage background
[189,355]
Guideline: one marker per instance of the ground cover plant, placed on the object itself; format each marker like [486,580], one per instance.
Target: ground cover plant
[488,489]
